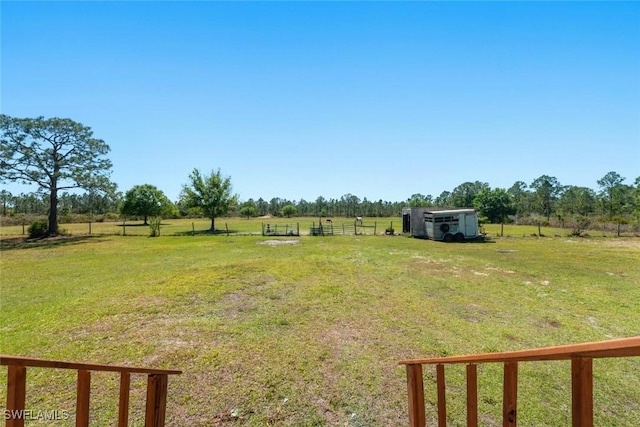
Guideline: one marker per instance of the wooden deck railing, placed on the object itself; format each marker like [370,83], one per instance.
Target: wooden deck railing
[157,381]
[581,356]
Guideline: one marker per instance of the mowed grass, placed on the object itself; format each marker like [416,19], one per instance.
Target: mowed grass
[309,334]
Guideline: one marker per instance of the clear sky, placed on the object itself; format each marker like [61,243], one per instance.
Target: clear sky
[305,99]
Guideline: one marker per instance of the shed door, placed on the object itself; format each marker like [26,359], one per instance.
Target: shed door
[406,223]
[470,228]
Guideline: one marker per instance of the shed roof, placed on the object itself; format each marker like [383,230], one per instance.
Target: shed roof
[451,211]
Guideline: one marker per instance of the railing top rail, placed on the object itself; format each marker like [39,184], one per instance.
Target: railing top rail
[623,347]
[7,360]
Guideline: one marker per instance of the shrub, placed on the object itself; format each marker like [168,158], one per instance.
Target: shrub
[65,219]
[38,229]
[154,226]
[111,216]
[581,223]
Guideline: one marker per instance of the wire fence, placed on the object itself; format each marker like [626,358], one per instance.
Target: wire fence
[185,227]
[299,227]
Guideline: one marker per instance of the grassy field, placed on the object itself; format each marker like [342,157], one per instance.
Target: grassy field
[309,334]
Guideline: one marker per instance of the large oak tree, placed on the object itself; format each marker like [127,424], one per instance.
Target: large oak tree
[55,154]
[146,201]
[495,204]
[212,193]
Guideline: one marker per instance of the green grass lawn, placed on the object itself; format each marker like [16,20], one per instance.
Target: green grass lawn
[309,334]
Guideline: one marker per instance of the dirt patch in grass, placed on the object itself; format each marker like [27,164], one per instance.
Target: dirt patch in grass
[279,242]
[549,322]
[624,243]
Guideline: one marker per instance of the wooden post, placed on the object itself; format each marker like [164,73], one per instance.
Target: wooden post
[124,228]
[581,392]
[156,400]
[84,393]
[89,227]
[502,229]
[415,393]
[510,395]
[123,407]
[472,395]
[442,396]
[227,227]
[539,232]
[193,229]
[16,394]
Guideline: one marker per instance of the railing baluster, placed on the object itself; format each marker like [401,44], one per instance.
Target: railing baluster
[472,395]
[581,356]
[83,398]
[442,396]
[582,392]
[510,395]
[16,395]
[16,389]
[123,407]
[156,400]
[415,392]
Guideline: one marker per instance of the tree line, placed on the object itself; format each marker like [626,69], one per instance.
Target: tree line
[71,172]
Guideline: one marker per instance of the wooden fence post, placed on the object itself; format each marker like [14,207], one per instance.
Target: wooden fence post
[16,394]
[472,395]
[510,395]
[123,407]
[156,400]
[582,392]
[415,392]
[83,398]
[442,396]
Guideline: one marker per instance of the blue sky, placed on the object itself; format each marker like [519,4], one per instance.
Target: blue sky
[302,99]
